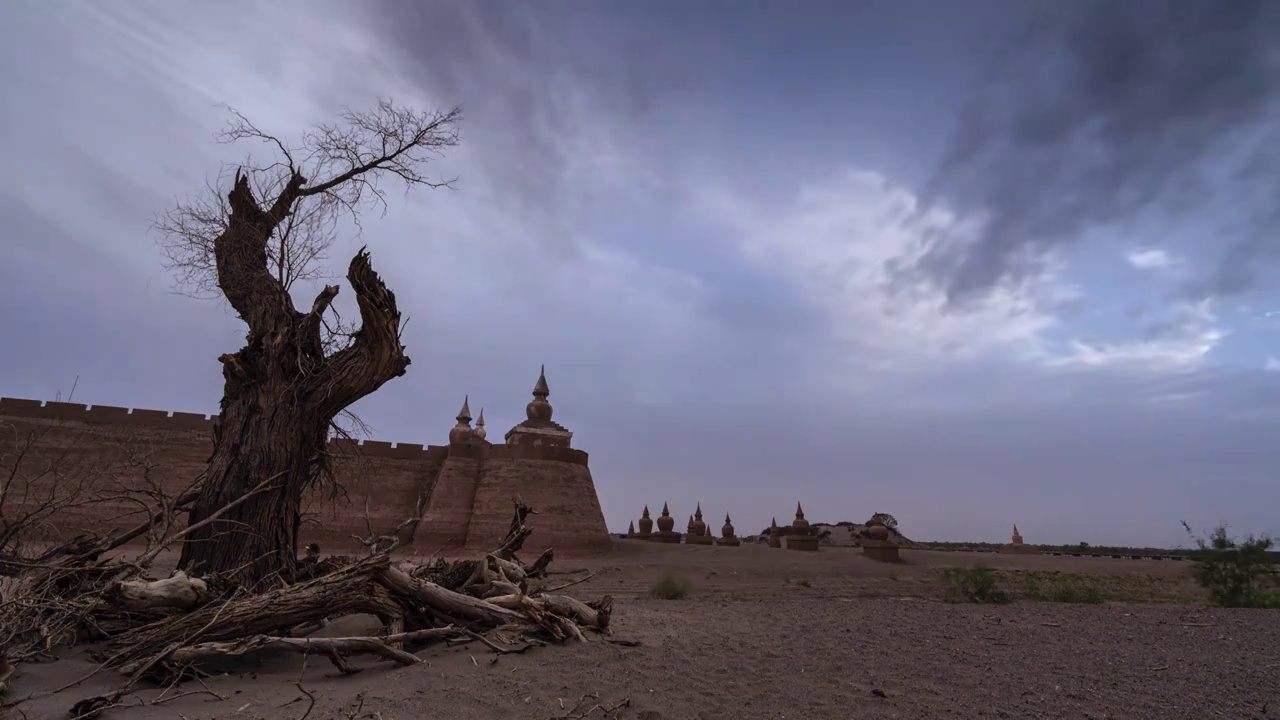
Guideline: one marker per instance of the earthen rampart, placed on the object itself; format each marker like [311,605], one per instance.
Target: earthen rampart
[466,488]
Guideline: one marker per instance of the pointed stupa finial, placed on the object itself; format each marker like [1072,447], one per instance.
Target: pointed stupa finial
[480,432]
[480,420]
[631,528]
[1015,529]
[539,410]
[540,389]
[646,511]
[665,511]
[799,511]
[462,432]
[726,518]
[697,513]
[773,523]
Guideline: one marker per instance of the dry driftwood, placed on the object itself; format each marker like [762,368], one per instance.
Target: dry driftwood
[203,619]
[385,646]
[398,593]
[347,591]
[447,601]
[178,592]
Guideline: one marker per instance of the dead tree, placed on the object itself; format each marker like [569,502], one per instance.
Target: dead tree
[284,388]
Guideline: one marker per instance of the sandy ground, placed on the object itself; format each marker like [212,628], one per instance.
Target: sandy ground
[782,634]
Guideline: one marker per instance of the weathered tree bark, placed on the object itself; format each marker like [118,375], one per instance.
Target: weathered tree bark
[280,394]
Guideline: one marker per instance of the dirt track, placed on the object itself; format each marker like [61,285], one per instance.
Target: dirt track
[773,634]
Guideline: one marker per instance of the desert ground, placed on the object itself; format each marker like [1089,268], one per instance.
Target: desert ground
[768,633]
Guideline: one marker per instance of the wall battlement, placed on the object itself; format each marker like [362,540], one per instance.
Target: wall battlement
[163,420]
[110,414]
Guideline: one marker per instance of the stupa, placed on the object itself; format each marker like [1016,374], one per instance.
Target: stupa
[1017,547]
[538,428]
[876,543]
[775,534]
[698,534]
[727,537]
[666,528]
[801,536]
[646,525]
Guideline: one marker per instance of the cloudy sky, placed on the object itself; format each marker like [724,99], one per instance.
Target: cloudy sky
[968,263]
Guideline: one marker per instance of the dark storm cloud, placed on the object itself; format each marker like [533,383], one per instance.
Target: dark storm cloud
[1103,111]
[541,84]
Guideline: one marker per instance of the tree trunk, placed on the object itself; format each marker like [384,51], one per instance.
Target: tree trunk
[280,394]
[278,445]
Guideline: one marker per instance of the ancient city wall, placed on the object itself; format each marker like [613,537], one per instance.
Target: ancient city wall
[470,487]
[94,448]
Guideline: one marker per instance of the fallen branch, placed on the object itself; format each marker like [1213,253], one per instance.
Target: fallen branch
[375,645]
[570,584]
[346,591]
[447,601]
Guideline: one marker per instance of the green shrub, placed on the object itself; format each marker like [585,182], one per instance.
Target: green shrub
[671,586]
[803,582]
[976,585]
[1236,574]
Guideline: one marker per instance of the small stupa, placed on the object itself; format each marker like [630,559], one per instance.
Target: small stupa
[666,527]
[479,433]
[462,432]
[698,534]
[1016,545]
[775,534]
[801,536]
[727,538]
[876,543]
[631,529]
[538,428]
[646,525]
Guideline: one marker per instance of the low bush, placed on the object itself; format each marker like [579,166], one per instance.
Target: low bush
[975,584]
[671,586]
[1236,574]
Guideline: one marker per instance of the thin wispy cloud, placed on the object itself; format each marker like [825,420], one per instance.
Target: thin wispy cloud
[739,302]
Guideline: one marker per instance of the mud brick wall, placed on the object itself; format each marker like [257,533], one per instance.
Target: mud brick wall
[467,489]
[96,447]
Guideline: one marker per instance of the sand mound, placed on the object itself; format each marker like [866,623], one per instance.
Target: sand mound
[849,534]
[845,534]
